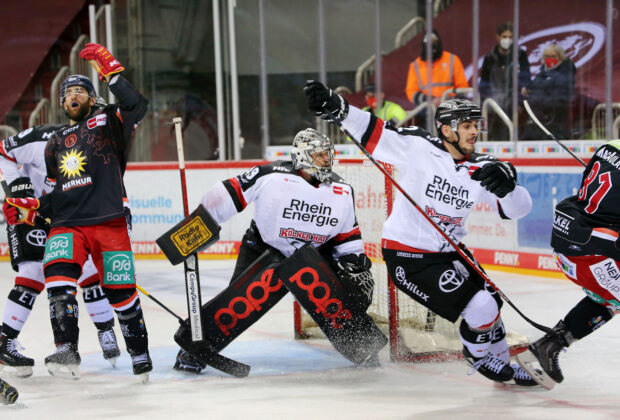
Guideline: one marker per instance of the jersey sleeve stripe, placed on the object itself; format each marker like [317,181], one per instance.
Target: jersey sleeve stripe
[353,235]
[234,189]
[118,114]
[501,211]
[5,154]
[373,133]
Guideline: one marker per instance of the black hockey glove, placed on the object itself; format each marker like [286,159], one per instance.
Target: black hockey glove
[21,188]
[321,99]
[354,273]
[500,178]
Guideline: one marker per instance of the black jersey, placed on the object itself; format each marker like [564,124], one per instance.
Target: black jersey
[588,223]
[87,161]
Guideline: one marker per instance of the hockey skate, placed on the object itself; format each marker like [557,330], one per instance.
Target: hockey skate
[142,365]
[186,362]
[65,362]
[21,366]
[489,366]
[521,377]
[8,394]
[107,340]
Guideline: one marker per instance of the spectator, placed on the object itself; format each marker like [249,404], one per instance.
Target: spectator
[388,111]
[550,94]
[496,79]
[447,73]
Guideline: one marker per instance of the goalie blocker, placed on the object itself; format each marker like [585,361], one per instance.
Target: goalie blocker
[191,235]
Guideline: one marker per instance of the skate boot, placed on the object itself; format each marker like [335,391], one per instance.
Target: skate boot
[8,394]
[10,356]
[142,365]
[186,362]
[107,340]
[489,366]
[65,362]
[521,377]
[547,350]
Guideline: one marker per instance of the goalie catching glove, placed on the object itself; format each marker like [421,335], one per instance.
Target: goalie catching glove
[101,59]
[354,272]
[20,210]
[322,101]
[499,178]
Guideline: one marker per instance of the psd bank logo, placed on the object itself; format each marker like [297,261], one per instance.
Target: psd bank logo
[118,267]
[580,41]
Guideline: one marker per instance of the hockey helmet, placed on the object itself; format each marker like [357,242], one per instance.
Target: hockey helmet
[77,80]
[454,111]
[307,143]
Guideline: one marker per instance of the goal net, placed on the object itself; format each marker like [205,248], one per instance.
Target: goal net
[415,333]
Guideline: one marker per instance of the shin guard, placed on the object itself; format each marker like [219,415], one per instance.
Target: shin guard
[64,314]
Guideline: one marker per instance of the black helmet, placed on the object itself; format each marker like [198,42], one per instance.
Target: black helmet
[77,80]
[453,111]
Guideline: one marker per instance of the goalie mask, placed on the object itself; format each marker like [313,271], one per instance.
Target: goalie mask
[306,145]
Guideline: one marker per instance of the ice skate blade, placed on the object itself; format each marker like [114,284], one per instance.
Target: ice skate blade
[16,371]
[526,360]
[112,361]
[144,377]
[63,371]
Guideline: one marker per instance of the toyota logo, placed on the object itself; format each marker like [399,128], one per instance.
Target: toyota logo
[450,281]
[36,237]
[400,274]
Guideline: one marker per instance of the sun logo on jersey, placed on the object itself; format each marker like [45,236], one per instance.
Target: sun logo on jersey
[72,164]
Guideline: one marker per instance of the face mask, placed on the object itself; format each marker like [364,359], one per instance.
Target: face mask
[505,43]
[372,102]
[551,62]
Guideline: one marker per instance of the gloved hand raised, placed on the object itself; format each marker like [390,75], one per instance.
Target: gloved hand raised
[101,59]
[500,178]
[321,99]
[20,210]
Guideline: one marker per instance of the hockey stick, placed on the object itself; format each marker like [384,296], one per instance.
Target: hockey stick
[441,232]
[192,275]
[548,133]
[211,358]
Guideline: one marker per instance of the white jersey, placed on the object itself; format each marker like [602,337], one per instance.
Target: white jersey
[23,155]
[289,211]
[441,186]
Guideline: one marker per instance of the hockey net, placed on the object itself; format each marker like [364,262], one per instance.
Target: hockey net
[415,333]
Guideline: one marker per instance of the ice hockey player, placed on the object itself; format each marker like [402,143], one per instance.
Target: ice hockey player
[22,164]
[446,178]
[87,161]
[295,202]
[584,239]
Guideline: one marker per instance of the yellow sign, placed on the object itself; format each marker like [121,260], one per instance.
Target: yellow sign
[191,236]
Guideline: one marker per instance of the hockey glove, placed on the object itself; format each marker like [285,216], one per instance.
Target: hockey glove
[21,187]
[20,210]
[101,59]
[354,273]
[321,100]
[500,178]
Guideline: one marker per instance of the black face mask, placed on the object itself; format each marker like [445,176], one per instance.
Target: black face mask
[436,51]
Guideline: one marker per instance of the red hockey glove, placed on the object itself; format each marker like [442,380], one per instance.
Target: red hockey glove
[101,59]
[20,210]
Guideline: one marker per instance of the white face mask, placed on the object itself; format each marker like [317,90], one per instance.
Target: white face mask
[505,43]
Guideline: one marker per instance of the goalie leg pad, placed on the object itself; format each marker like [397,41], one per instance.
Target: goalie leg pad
[321,293]
[26,243]
[236,308]
[192,234]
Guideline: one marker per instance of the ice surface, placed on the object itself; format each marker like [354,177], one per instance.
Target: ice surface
[308,380]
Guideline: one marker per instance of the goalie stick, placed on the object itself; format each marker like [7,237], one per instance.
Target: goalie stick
[463,255]
[213,359]
[548,133]
[190,265]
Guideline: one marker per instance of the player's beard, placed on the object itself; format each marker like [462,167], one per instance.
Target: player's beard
[79,113]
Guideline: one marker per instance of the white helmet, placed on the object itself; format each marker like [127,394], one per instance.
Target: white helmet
[306,143]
